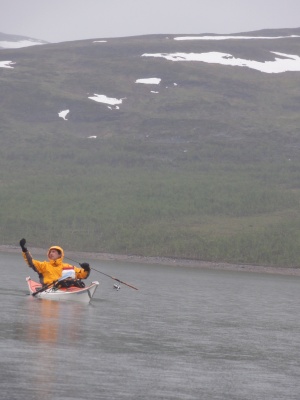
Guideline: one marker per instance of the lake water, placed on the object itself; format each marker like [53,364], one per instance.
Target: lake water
[186,334]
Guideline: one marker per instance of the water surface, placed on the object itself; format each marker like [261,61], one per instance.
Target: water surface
[186,334]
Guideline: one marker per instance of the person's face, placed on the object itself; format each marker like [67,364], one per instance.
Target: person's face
[54,254]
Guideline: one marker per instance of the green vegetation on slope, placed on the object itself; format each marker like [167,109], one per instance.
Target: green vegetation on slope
[135,197]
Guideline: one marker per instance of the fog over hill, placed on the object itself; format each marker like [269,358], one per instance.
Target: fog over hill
[16,41]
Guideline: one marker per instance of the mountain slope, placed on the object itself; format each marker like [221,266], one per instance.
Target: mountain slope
[201,162]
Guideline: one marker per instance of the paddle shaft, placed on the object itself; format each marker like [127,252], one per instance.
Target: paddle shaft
[43,288]
[103,273]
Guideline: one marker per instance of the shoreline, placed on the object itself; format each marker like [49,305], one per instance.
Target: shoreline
[166,261]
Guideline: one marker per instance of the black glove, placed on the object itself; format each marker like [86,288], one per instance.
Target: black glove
[85,266]
[22,244]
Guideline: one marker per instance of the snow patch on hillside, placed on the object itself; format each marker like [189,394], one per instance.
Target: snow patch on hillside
[6,64]
[101,98]
[63,114]
[149,81]
[232,37]
[19,44]
[283,63]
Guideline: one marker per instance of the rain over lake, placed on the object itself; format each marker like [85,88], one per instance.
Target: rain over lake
[186,334]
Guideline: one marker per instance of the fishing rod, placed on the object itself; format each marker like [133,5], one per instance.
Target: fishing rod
[103,273]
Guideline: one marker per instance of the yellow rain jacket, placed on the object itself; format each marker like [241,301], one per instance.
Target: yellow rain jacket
[51,270]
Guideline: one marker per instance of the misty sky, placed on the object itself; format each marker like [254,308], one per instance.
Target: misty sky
[67,20]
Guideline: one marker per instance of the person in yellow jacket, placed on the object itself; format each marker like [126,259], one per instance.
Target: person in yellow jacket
[53,269]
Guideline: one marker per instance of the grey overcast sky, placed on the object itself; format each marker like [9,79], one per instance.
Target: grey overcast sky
[66,20]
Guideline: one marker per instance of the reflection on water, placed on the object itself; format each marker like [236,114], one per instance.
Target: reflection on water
[47,327]
[52,322]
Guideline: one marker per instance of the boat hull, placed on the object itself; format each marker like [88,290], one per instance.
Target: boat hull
[75,294]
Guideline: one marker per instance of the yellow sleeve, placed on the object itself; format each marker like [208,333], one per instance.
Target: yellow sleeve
[36,265]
